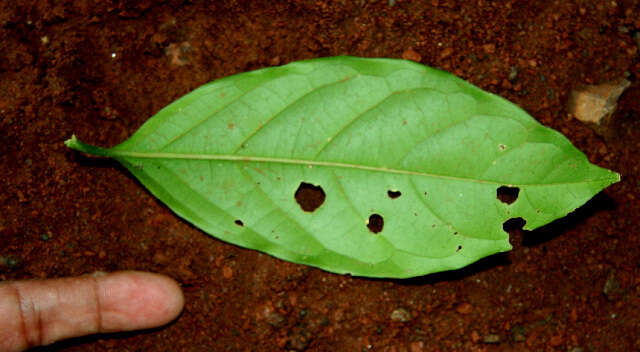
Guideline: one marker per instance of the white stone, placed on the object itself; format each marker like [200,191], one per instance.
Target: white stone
[594,105]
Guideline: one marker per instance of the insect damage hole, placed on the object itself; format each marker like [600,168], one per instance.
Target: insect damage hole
[507,195]
[394,194]
[513,224]
[309,197]
[375,223]
[239,223]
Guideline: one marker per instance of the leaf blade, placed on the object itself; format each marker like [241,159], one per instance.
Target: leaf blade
[237,149]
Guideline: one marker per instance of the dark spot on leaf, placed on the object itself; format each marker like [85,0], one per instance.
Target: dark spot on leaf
[507,195]
[513,224]
[375,223]
[393,194]
[459,248]
[239,223]
[309,197]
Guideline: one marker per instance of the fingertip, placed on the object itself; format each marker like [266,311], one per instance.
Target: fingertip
[165,294]
[134,300]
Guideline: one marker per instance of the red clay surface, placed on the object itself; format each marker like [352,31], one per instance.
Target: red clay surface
[99,69]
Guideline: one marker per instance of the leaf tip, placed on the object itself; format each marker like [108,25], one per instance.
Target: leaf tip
[616,177]
[612,178]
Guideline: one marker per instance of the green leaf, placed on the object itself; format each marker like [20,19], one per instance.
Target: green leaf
[373,167]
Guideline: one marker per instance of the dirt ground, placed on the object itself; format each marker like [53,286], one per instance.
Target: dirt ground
[99,69]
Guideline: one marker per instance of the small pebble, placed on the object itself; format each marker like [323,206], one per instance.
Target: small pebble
[270,315]
[489,48]
[611,288]
[517,334]
[513,74]
[274,319]
[595,105]
[555,340]
[275,61]
[9,261]
[160,259]
[410,54]
[446,53]
[401,315]
[227,272]
[491,338]
[417,346]
[464,308]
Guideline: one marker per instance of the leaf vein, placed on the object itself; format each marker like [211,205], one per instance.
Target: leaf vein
[351,122]
[287,106]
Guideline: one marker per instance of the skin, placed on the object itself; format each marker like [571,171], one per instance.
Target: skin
[40,312]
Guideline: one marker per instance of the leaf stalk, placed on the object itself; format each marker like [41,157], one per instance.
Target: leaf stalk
[76,144]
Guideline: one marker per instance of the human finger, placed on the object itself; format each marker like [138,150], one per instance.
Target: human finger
[40,312]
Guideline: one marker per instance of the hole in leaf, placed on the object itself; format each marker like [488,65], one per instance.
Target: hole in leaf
[375,223]
[393,194]
[239,222]
[513,224]
[309,197]
[459,248]
[507,195]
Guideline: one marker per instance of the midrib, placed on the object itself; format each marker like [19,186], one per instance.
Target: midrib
[312,163]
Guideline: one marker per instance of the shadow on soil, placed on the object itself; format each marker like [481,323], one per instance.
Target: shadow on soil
[83,340]
[84,160]
[600,202]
